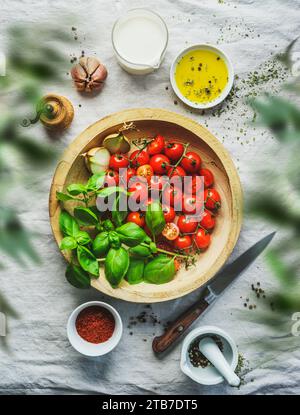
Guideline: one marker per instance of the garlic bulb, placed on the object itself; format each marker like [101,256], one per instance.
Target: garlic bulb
[89,74]
[116,143]
[97,159]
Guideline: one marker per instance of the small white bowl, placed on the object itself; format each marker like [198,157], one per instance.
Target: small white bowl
[209,374]
[226,90]
[91,349]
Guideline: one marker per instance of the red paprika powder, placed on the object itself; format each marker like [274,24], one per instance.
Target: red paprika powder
[95,324]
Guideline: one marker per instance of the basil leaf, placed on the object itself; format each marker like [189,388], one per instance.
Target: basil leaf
[107,191]
[116,265]
[118,216]
[86,216]
[155,219]
[95,181]
[108,225]
[76,189]
[77,276]
[68,243]
[160,270]
[135,271]
[101,244]
[87,260]
[83,238]
[68,224]
[114,239]
[140,251]
[63,197]
[131,234]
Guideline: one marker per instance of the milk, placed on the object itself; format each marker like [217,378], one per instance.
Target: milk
[140,39]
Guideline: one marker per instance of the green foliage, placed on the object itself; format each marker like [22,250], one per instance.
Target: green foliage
[155,219]
[116,265]
[160,270]
[280,204]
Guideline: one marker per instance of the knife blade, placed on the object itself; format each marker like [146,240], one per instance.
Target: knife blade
[221,281]
[229,273]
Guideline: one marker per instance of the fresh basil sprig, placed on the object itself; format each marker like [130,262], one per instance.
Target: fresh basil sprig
[155,219]
[73,235]
[107,191]
[68,224]
[86,216]
[160,270]
[131,234]
[83,238]
[68,243]
[87,260]
[101,244]
[135,271]
[118,216]
[88,190]
[76,189]
[141,250]
[77,277]
[116,265]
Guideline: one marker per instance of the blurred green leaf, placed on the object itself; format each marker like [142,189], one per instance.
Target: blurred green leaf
[14,239]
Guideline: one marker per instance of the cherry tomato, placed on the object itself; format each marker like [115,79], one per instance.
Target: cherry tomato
[139,158]
[172,196]
[118,161]
[186,224]
[174,151]
[212,199]
[137,218]
[207,221]
[194,186]
[156,146]
[145,171]
[178,171]
[170,231]
[111,178]
[157,182]
[160,164]
[139,191]
[191,205]
[191,162]
[183,242]
[207,176]
[130,173]
[202,239]
[169,213]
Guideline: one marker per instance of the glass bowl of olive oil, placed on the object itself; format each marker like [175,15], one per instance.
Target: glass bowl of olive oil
[202,76]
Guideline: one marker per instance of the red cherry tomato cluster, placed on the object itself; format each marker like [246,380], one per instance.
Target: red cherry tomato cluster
[151,164]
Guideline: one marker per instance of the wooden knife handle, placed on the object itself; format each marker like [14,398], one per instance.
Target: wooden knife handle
[178,327]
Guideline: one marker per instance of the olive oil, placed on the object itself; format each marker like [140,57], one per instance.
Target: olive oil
[201,76]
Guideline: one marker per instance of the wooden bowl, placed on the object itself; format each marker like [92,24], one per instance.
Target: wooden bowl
[71,169]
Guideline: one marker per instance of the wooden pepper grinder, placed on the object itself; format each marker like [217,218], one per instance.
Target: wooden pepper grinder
[56,112]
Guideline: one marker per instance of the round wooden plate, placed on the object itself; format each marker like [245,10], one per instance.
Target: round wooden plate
[71,169]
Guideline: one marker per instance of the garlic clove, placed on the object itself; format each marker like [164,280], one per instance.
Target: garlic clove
[116,143]
[97,159]
[89,64]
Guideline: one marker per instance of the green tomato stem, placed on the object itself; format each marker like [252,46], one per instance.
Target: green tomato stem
[163,251]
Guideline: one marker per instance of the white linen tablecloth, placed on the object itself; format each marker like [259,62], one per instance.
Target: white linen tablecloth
[39,358]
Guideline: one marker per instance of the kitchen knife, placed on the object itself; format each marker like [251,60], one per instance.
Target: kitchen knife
[220,282]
